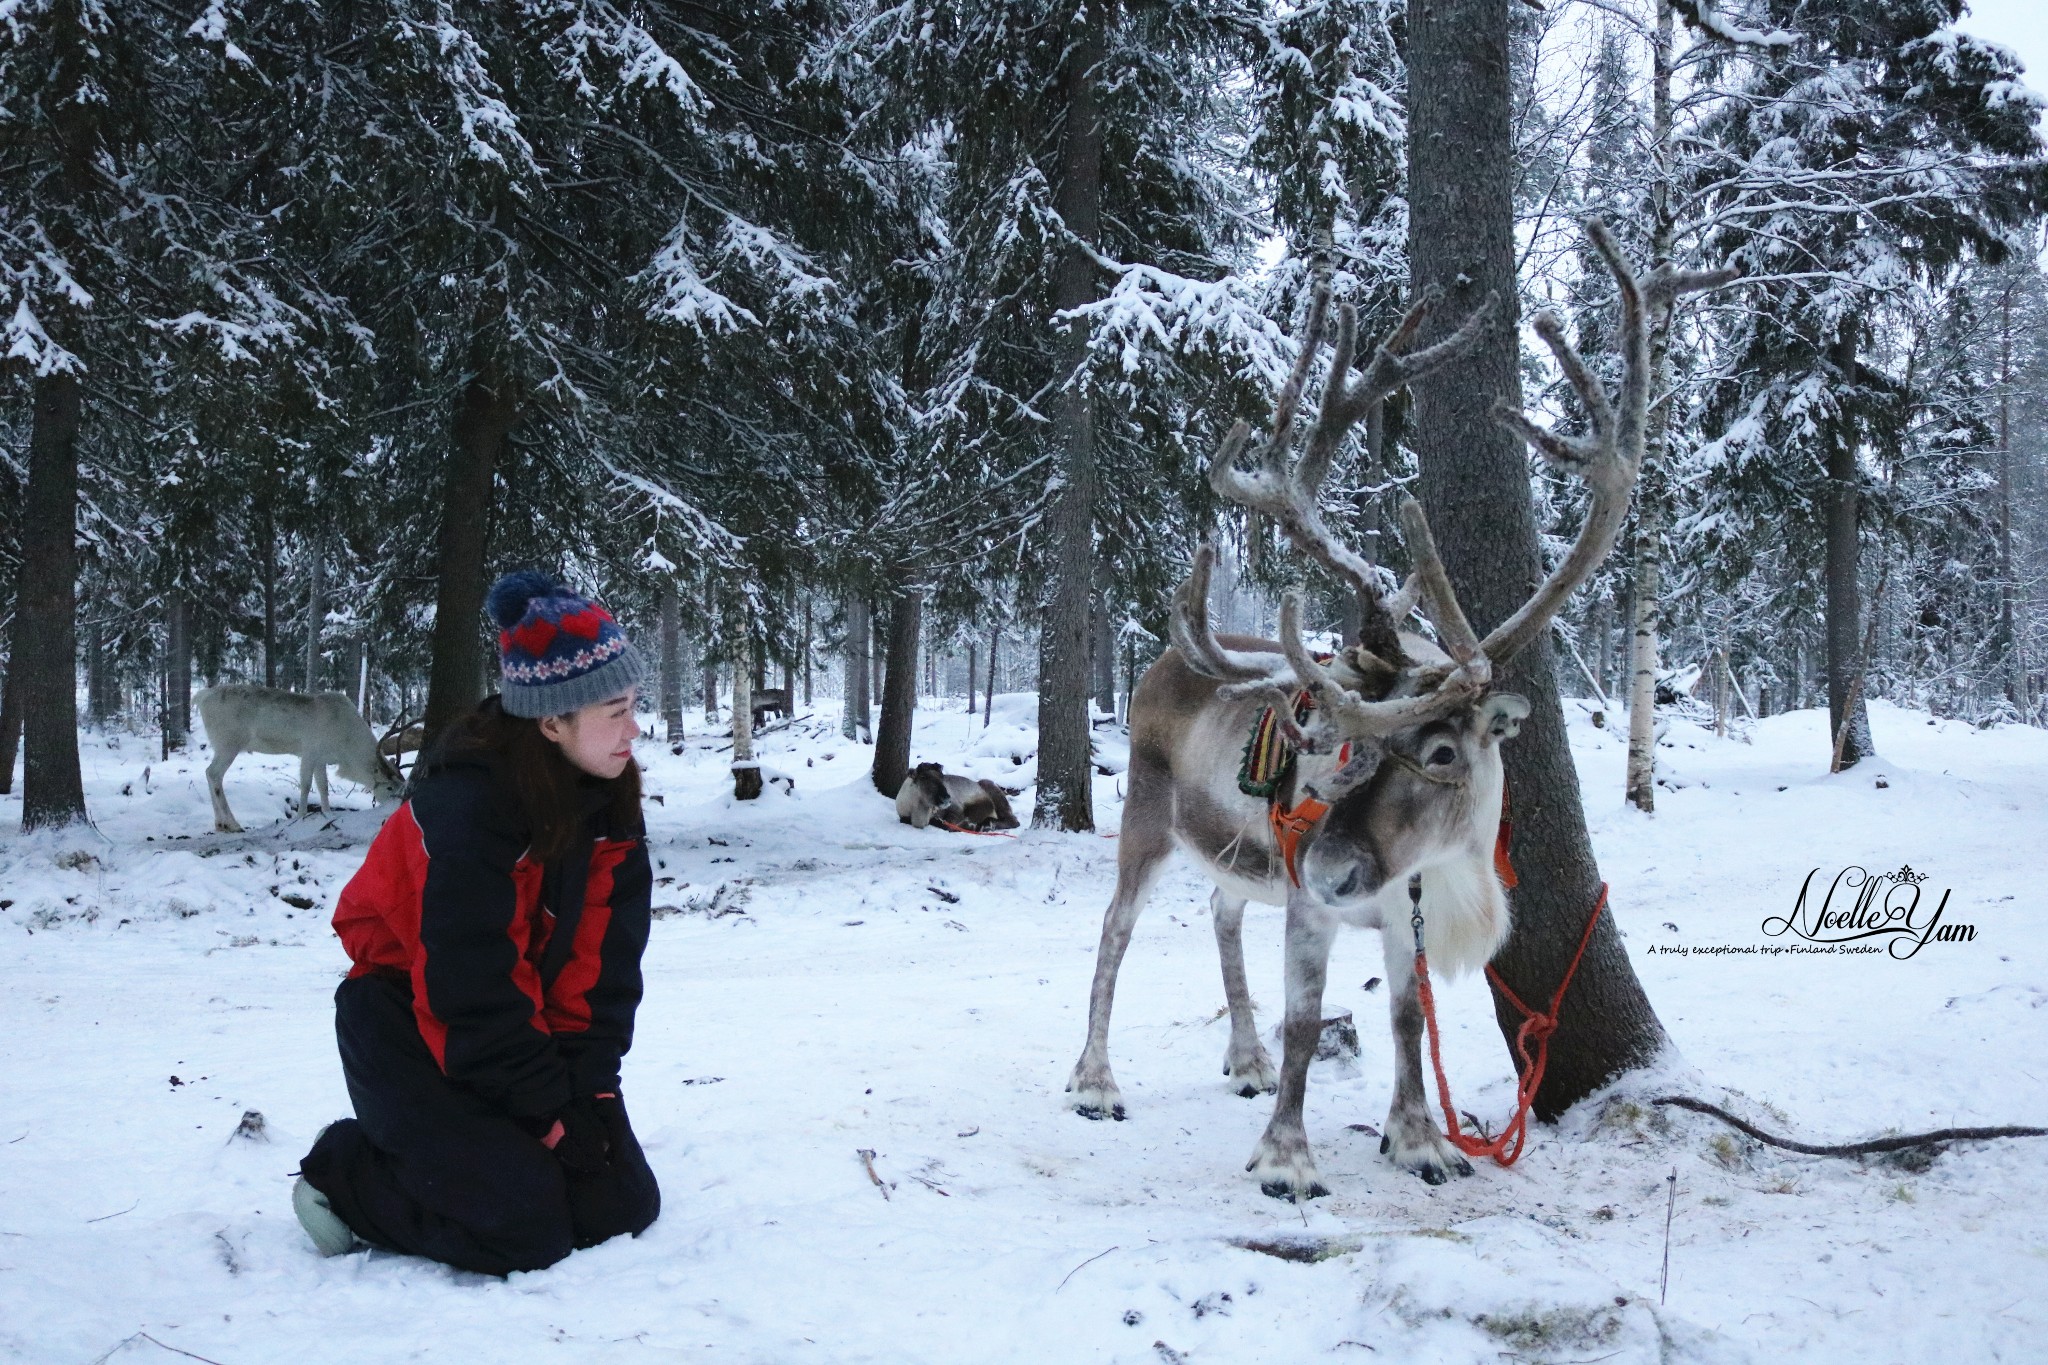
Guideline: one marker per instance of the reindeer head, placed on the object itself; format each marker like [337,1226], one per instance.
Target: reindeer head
[1424,785]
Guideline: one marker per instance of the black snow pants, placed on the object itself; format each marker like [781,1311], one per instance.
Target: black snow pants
[428,1168]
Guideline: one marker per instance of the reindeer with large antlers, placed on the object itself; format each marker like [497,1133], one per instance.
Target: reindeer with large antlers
[1398,768]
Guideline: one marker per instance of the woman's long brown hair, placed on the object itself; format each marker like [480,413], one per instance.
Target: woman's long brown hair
[550,788]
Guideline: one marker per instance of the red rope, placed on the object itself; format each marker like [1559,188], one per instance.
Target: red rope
[984,833]
[1536,1029]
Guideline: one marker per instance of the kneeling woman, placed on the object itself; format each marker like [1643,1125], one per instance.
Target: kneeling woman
[496,930]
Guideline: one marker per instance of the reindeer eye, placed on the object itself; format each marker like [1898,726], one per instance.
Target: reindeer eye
[1442,755]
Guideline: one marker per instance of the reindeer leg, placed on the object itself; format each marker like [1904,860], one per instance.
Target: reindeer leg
[1141,850]
[305,785]
[1246,1059]
[1412,1139]
[1282,1161]
[224,821]
[320,776]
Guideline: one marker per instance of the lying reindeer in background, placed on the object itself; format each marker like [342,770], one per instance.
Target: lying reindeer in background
[1420,793]
[320,727]
[931,793]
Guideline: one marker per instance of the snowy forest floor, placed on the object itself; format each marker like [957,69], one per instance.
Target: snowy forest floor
[823,980]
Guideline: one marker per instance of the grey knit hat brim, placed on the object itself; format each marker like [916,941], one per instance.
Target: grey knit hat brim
[608,680]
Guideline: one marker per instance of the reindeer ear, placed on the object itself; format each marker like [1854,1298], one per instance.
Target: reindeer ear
[1501,716]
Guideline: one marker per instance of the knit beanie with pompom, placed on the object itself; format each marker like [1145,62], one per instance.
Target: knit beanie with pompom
[558,651]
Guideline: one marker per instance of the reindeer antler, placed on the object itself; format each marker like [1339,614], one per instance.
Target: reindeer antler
[1610,457]
[1288,492]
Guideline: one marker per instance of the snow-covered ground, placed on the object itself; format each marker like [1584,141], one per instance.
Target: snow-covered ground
[824,980]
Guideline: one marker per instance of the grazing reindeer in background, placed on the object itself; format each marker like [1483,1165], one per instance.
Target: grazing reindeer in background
[320,727]
[1415,789]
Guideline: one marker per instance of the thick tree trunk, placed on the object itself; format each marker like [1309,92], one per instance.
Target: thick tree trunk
[484,416]
[746,772]
[809,626]
[1845,594]
[177,669]
[46,647]
[1065,767]
[1475,487]
[899,692]
[316,607]
[855,724]
[671,659]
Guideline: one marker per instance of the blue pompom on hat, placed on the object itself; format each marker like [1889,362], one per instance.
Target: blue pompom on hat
[558,651]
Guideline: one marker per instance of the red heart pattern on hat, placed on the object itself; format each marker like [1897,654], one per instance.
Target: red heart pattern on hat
[585,624]
[535,636]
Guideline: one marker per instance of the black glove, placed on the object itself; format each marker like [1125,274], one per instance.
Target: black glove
[585,1144]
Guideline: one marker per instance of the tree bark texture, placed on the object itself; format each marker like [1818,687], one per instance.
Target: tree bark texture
[899,692]
[746,773]
[1845,593]
[671,659]
[1640,790]
[177,669]
[1475,487]
[1104,659]
[268,531]
[988,710]
[316,607]
[10,719]
[45,629]
[1065,762]
[855,724]
[484,415]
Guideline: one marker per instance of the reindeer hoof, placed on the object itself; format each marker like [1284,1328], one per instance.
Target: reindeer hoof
[1253,1070]
[1418,1148]
[1092,1093]
[1285,1169]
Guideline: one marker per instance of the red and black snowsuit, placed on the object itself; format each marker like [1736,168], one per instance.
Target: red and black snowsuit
[487,992]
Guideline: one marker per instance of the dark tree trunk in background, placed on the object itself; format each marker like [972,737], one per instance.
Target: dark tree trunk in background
[995,643]
[316,607]
[1104,658]
[10,720]
[96,681]
[899,692]
[45,610]
[268,531]
[708,658]
[855,724]
[177,669]
[1065,767]
[671,659]
[746,770]
[809,625]
[1475,487]
[1845,595]
[484,415]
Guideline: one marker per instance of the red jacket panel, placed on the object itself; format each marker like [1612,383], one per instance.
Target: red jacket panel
[449,896]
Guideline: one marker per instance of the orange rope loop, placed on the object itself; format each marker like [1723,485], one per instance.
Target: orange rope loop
[1532,1042]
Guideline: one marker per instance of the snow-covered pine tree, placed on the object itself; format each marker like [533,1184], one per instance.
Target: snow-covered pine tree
[1883,146]
[125,254]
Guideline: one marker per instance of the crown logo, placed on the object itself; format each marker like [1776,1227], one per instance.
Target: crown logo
[1906,876]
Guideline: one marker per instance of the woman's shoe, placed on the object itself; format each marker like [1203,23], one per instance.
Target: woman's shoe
[331,1236]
